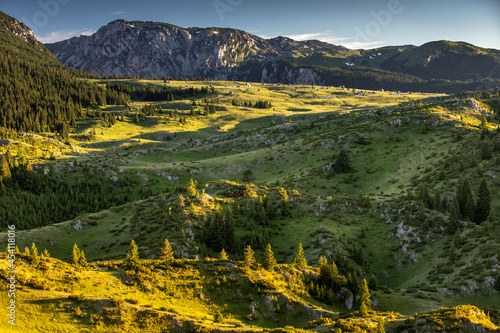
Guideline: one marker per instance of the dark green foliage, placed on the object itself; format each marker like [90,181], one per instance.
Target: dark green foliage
[156,93]
[452,257]
[41,98]
[268,261]
[373,283]
[342,162]
[35,199]
[485,150]
[483,203]
[454,216]
[465,199]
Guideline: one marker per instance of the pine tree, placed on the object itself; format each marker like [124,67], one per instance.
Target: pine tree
[132,255]
[75,255]
[166,252]
[223,255]
[483,203]
[249,256]
[268,261]
[365,306]
[300,258]
[82,260]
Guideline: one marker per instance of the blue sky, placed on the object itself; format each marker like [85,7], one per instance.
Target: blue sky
[354,23]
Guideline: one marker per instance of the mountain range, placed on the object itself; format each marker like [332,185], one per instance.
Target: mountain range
[156,50]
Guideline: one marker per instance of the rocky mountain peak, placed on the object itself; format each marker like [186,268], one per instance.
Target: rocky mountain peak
[21,30]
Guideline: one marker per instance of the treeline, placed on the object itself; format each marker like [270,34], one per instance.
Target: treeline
[258,104]
[157,93]
[31,199]
[42,98]
[361,77]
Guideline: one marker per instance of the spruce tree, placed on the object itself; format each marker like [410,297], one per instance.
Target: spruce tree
[342,162]
[75,255]
[166,252]
[483,203]
[300,258]
[249,256]
[373,283]
[325,272]
[268,261]
[365,306]
[132,255]
[465,199]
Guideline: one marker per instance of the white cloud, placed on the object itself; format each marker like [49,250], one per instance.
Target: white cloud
[59,35]
[328,37]
[120,12]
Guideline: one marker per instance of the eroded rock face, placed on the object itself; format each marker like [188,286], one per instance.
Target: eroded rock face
[152,49]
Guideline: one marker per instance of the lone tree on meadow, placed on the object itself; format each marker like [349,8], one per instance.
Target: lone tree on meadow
[249,256]
[342,163]
[268,261]
[132,255]
[365,307]
[166,252]
[300,259]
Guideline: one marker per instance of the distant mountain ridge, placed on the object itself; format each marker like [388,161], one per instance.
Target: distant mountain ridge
[152,49]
